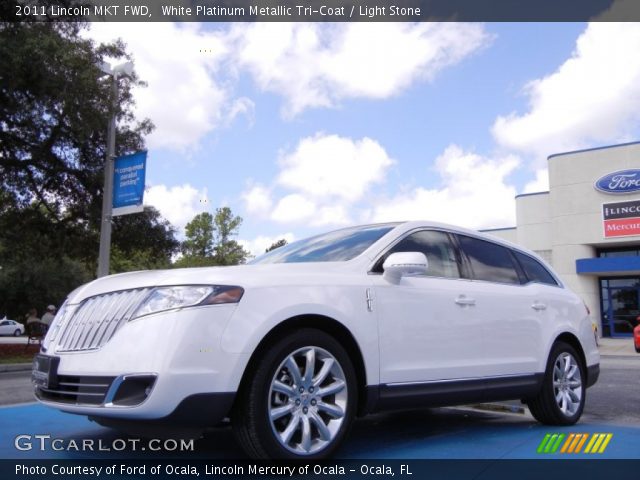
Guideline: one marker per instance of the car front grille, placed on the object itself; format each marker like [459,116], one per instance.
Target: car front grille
[92,323]
[76,390]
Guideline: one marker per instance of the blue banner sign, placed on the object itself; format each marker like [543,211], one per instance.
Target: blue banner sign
[624,181]
[128,183]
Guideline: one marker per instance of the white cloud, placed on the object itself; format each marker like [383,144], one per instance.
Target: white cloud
[178,204]
[257,200]
[331,166]
[258,245]
[179,62]
[539,184]
[293,208]
[318,65]
[592,98]
[242,106]
[320,179]
[192,72]
[474,193]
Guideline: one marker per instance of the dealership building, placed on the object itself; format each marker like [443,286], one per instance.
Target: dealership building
[588,227]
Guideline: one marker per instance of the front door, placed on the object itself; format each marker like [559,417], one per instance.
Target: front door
[426,330]
[622,309]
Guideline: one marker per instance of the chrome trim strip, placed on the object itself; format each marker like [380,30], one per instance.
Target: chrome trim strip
[111,393]
[431,382]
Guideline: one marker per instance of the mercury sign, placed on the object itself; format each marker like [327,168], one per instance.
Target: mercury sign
[624,181]
[621,219]
[128,183]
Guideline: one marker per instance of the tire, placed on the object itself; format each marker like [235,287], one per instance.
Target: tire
[17,333]
[310,416]
[562,396]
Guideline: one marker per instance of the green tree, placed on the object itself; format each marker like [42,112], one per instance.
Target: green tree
[209,240]
[280,243]
[142,241]
[199,236]
[227,251]
[54,109]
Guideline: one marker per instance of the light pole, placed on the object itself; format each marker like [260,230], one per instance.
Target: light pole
[124,69]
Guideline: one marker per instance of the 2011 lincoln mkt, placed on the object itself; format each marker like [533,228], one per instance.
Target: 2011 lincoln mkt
[296,344]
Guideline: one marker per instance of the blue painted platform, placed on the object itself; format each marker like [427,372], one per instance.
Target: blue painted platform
[446,433]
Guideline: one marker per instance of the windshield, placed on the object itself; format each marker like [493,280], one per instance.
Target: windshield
[338,246]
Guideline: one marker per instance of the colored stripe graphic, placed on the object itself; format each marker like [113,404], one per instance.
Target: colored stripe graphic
[551,442]
[607,439]
[574,442]
[543,443]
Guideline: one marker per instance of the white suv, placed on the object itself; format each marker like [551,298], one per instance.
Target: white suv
[294,345]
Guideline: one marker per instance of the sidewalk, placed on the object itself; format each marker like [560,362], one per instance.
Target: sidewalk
[616,347]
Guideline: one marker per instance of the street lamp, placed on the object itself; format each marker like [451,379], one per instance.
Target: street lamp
[124,69]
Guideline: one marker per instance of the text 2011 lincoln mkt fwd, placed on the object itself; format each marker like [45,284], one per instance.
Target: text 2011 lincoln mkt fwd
[294,345]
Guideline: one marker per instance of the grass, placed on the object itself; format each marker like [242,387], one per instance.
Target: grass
[17,353]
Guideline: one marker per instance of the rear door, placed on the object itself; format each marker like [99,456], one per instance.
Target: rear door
[508,310]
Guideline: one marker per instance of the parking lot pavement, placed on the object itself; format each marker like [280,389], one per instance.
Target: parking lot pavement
[445,433]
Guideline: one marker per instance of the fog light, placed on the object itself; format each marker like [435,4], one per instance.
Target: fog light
[133,390]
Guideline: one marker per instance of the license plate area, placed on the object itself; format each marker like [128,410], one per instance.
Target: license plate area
[45,371]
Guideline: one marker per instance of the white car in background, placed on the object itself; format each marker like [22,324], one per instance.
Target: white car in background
[11,327]
[296,344]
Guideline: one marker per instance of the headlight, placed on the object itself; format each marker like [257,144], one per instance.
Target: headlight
[170,298]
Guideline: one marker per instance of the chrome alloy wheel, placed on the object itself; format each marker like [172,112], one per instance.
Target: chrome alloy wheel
[567,383]
[307,400]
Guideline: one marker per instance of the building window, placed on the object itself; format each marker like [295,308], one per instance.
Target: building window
[618,252]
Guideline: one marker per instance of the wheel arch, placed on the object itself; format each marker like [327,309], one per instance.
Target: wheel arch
[572,340]
[328,325]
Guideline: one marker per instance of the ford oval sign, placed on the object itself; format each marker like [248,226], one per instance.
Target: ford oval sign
[624,181]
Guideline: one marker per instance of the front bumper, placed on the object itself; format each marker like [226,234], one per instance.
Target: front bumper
[164,367]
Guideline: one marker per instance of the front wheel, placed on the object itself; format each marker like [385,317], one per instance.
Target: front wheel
[16,333]
[301,400]
[561,399]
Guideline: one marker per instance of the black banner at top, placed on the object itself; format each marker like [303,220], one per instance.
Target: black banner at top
[321,10]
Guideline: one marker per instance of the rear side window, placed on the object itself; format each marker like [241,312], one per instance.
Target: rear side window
[489,261]
[436,246]
[534,270]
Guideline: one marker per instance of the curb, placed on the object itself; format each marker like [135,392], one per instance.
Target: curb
[15,367]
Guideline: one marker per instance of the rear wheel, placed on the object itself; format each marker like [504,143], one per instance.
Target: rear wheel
[561,399]
[301,400]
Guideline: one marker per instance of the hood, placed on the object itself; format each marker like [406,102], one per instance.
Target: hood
[245,276]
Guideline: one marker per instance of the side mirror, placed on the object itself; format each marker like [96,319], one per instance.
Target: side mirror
[402,264]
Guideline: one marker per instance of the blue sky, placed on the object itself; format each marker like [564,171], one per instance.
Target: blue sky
[301,128]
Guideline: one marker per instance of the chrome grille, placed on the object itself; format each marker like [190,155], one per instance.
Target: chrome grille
[96,320]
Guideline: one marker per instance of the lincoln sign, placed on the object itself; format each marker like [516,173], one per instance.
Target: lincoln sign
[624,181]
[621,219]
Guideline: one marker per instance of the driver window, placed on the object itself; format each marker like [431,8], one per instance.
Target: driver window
[436,246]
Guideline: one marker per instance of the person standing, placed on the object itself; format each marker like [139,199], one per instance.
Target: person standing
[49,315]
[32,316]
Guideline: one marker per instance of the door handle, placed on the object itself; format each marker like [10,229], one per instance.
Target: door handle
[465,301]
[539,306]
